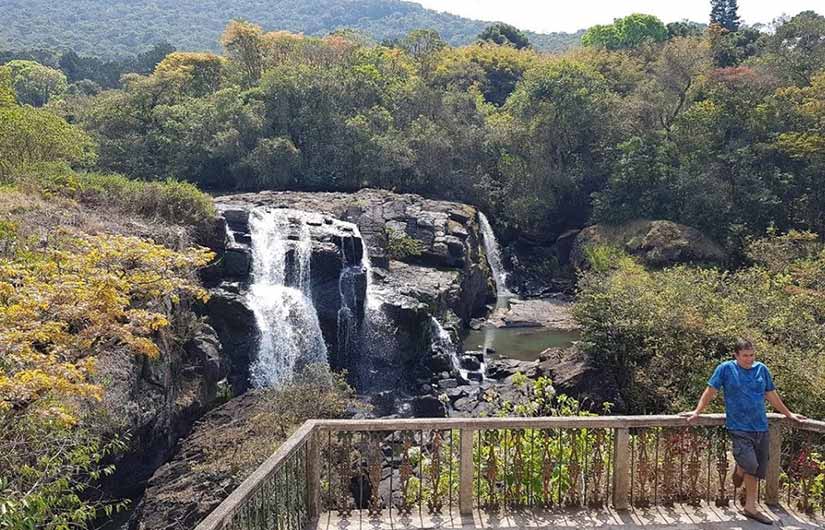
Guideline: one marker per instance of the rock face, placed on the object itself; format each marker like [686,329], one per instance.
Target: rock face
[183,491]
[445,275]
[656,243]
[157,401]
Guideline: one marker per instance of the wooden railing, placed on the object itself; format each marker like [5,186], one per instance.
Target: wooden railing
[383,467]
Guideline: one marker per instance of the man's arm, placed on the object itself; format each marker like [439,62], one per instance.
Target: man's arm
[773,398]
[707,397]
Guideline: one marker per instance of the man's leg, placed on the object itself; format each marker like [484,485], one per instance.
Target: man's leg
[751,484]
[746,450]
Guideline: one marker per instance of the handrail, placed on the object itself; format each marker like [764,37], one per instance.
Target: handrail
[218,518]
[307,437]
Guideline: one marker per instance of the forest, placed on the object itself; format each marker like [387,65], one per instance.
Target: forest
[113,29]
[719,130]
[105,161]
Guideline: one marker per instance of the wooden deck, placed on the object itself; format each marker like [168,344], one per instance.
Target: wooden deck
[680,517]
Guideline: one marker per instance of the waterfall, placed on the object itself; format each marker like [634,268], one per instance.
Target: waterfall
[280,297]
[493,252]
[443,343]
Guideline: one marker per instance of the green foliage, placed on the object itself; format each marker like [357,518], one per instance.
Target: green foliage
[796,51]
[724,13]
[54,471]
[626,33]
[401,246]
[33,83]
[29,135]
[662,332]
[504,35]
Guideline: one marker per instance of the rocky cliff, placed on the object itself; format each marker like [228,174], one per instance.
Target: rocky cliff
[426,257]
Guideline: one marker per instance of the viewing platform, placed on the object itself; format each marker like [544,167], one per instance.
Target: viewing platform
[611,472]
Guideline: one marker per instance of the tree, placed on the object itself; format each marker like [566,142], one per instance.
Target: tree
[626,33]
[29,136]
[796,51]
[202,71]
[685,28]
[732,21]
[423,45]
[244,45]
[34,84]
[7,98]
[504,34]
[724,13]
[495,70]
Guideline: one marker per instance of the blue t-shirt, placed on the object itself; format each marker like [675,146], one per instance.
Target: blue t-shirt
[744,390]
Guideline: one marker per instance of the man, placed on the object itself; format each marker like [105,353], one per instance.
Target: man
[746,385]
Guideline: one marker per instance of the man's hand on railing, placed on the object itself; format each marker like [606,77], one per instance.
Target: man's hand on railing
[798,418]
[691,416]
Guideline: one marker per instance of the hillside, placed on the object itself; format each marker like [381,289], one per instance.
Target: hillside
[110,28]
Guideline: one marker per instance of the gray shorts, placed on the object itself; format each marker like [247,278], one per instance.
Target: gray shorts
[751,451]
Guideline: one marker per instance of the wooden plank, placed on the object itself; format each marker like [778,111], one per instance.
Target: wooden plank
[222,514]
[774,464]
[621,469]
[465,473]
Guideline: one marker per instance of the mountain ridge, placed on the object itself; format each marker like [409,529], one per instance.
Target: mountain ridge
[113,28]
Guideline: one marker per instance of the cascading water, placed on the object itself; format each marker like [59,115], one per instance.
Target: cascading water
[443,343]
[280,297]
[503,295]
[493,252]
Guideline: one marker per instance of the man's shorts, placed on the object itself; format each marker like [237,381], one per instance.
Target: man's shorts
[751,451]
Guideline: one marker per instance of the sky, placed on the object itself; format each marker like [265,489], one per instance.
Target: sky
[570,15]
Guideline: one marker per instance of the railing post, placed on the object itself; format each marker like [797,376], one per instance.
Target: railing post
[621,469]
[314,473]
[774,464]
[465,473]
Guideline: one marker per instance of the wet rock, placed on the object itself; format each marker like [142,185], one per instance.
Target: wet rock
[237,262]
[237,219]
[234,322]
[428,407]
[468,362]
[441,363]
[445,384]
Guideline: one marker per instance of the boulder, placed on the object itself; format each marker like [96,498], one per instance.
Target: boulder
[655,243]
[428,406]
[233,320]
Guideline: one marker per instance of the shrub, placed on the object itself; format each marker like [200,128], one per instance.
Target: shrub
[63,301]
[663,331]
[400,245]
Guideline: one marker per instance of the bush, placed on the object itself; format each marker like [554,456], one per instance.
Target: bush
[170,200]
[400,245]
[662,332]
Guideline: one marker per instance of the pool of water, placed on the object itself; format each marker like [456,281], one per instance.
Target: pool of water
[524,344]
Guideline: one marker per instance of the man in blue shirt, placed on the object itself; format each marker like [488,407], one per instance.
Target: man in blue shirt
[746,385]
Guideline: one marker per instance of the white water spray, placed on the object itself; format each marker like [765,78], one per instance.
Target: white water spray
[280,297]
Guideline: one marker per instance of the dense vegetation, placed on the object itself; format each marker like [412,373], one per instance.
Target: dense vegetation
[110,29]
[662,332]
[76,284]
[719,130]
